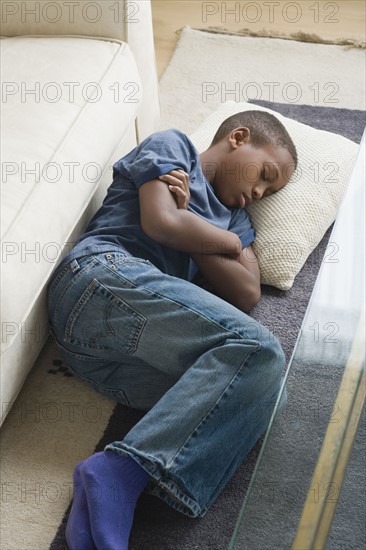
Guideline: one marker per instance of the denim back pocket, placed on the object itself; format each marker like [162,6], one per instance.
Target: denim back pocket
[102,320]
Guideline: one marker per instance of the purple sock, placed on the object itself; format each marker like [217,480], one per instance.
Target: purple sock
[78,532]
[112,486]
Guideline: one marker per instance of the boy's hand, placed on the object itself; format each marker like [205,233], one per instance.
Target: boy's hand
[178,183]
[237,282]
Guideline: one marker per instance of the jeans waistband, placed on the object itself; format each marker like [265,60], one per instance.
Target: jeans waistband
[67,263]
[75,264]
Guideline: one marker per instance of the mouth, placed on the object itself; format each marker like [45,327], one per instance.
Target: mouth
[244,200]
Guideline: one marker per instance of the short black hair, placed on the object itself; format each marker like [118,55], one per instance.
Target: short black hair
[265,129]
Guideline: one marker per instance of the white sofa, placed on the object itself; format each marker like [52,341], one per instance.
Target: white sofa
[79,90]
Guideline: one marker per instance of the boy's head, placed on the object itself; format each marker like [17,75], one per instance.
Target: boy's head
[251,156]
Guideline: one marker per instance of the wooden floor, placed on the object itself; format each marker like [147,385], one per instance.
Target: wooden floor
[329,20]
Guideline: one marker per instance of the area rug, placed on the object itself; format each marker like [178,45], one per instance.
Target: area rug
[207,69]
[57,420]
[300,36]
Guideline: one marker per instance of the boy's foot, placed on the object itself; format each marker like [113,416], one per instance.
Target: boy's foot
[78,532]
[112,486]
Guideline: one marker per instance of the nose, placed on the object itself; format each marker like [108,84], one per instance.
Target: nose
[257,194]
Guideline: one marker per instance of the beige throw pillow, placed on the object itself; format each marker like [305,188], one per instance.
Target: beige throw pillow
[290,223]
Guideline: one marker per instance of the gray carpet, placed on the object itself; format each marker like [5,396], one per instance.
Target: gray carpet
[156,525]
[287,466]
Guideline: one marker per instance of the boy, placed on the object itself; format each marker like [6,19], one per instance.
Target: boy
[129,321]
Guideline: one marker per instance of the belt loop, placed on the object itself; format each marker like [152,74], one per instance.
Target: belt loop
[74,266]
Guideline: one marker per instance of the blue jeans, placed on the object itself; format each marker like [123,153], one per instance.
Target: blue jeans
[207,373]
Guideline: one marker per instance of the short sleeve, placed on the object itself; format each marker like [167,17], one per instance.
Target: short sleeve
[240,224]
[158,154]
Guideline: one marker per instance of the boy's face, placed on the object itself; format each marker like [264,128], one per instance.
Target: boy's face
[245,173]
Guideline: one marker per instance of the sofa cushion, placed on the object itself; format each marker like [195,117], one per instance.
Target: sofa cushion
[103,18]
[290,223]
[67,103]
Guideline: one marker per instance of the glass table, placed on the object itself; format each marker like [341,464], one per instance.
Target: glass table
[296,485]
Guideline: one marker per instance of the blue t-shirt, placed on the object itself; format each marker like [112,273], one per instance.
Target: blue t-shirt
[116,225]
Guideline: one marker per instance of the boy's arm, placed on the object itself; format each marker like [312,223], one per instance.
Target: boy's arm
[236,280]
[233,272]
[178,228]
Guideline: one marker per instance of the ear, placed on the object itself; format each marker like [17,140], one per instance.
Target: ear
[239,136]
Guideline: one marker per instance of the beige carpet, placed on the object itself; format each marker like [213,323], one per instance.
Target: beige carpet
[208,69]
[57,420]
[329,21]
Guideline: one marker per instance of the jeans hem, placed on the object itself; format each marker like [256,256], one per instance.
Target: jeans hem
[161,486]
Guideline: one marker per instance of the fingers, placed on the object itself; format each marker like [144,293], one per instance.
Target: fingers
[180,195]
[178,182]
[177,190]
[176,177]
